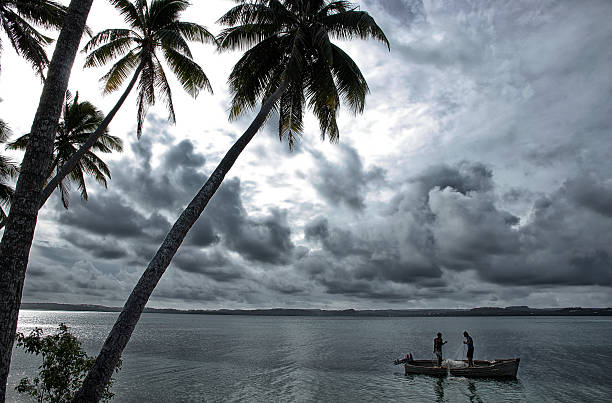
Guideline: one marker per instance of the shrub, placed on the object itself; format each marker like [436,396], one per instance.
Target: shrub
[64,366]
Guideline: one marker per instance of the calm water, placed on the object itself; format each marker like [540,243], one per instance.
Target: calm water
[178,358]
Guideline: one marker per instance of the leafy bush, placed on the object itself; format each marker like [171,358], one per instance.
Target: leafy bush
[63,369]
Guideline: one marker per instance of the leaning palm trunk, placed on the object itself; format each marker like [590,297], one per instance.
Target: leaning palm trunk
[21,221]
[102,370]
[91,140]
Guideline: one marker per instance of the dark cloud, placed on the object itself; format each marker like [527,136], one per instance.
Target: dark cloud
[525,217]
[592,193]
[266,239]
[168,186]
[317,229]
[212,264]
[182,155]
[449,219]
[345,182]
[464,178]
[202,233]
[401,12]
[110,215]
[104,248]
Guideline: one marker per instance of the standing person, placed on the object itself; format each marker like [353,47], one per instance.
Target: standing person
[438,343]
[470,346]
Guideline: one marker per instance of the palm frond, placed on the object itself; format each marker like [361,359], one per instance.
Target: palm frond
[64,188]
[8,168]
[324,99]
[108,144]
[274,12]
[26,41]
[323,45]
[170,38]
[354,24]
[351,83]
[77,176]
[106,36]
[164,12]
[146,94]
[5,131]
[189,73]
[46,13]
[335,7]
[291,111]
[20,143]
[161,83]
[192,32]
[95,167]
[251,76]
[296,60]
[245,36]
[120,71]
[108,51]
[130,13]
[6,197]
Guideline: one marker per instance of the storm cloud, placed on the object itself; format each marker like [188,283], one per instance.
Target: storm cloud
[478,174]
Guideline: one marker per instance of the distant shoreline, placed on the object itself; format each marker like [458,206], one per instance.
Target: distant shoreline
[481,311]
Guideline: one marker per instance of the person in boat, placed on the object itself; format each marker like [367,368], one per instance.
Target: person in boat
[438,343]
[470,351]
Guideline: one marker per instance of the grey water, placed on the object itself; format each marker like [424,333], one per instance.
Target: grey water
[183,358]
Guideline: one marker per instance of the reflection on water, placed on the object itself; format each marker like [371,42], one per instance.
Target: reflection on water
[450,389]
[439,390]
[473,394]
[230,358]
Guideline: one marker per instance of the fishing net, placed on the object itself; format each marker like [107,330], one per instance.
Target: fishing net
[454,364]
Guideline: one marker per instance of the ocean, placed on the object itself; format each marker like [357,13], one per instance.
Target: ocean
[197,358]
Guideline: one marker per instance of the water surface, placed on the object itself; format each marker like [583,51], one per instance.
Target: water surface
[178,358]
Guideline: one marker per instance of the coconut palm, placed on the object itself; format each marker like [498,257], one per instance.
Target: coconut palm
[16,19]
[21,221]
[8,171]
[78,121]
[154,29]
[292,63]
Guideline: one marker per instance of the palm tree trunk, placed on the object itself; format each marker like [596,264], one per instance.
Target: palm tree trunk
[91,140]
[107,360]
[21,221]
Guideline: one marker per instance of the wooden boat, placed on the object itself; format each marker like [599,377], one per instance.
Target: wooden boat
[502,368]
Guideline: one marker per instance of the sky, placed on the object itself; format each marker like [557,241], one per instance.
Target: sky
[479,174]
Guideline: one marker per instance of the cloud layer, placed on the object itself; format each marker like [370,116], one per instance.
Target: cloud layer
[479,174]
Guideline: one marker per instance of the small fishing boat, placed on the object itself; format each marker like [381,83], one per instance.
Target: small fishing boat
[502,368]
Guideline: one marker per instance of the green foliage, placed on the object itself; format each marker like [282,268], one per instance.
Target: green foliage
[18,19]
[290,42]
[63,369]
[79,119]
[155,29]
[8,171]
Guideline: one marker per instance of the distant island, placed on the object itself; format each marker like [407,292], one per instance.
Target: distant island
[481,311]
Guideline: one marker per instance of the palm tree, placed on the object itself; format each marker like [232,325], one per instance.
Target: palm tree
[80,119]
[154,29]
[16,19]
[8,170]
[291,64]
[21,221]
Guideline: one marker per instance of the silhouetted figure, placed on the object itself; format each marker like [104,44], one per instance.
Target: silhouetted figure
[438,343]
[470,346]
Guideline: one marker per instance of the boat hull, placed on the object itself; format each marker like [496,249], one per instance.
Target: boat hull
[499,369]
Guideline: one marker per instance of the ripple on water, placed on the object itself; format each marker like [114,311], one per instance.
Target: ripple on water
[174,358]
